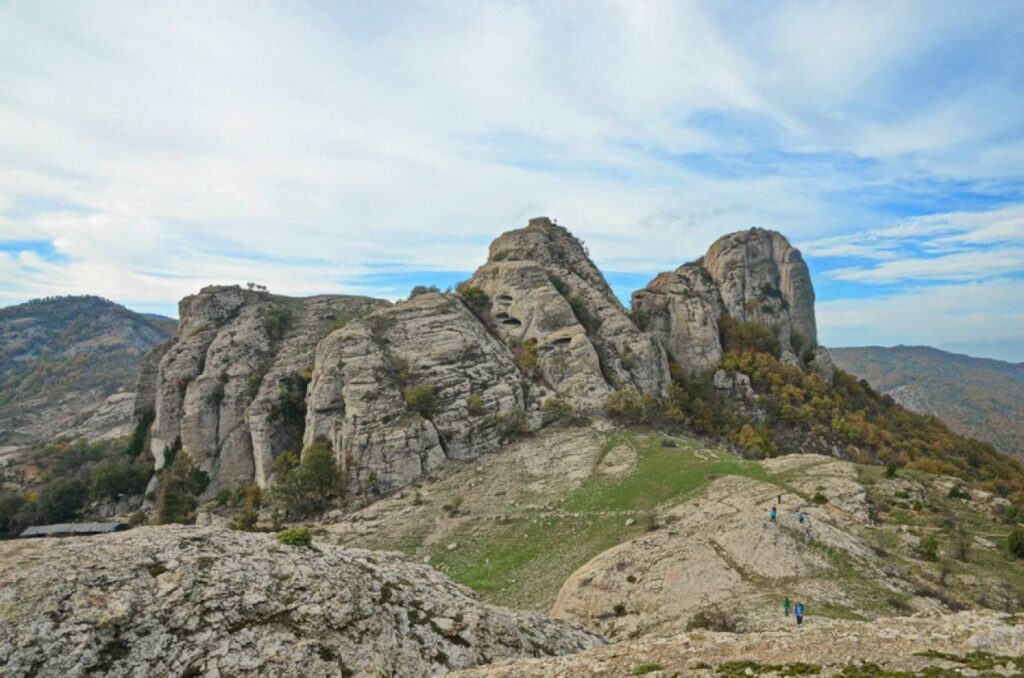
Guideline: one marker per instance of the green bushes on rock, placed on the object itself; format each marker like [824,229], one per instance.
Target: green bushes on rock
[629,407]
[555,409]
[474,297]
[511,424]
[423,289]
[305,486]
[276,321]
[295,536]
[180,485]
[1015,543]
[421,399]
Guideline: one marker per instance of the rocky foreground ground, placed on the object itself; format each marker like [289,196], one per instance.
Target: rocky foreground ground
[967,643]
[186,601]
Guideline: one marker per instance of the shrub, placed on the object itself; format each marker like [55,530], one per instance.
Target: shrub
[246,517]
[423,289]
[554,409]
[295,536]
[929,548]
[640,318]
[475,405]
[958,492]
[121,475]
[181,483]
[474,297]
[526,355]
[647,667]
[1015,543]
[753,337]
[713,618]
[511,425]
[276,321]
[421,399]
[306,486]
[819,499]
[757,441]
[628,406]
[62,499]
[890,469]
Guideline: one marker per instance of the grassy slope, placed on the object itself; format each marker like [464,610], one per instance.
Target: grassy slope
[522,559]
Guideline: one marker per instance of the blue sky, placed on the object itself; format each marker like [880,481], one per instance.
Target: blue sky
[148,149]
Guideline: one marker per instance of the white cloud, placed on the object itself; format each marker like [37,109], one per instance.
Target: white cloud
[984,318]
[160,146]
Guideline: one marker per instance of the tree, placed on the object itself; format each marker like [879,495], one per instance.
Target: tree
[306,486]
[181,484]
[423,289]
[62,499]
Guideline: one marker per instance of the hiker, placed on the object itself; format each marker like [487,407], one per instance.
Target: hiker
[780,499]
[807,535]
[787,605]
[799,610]
[772,514]
[801,517]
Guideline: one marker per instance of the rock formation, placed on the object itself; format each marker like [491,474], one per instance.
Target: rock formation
[404,389]
[751,276]
[187,601]
[397,390]
[966,643]
[545,291]
[230,389]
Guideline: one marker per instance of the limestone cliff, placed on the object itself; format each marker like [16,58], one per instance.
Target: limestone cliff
[545,292]
[404,389]
[230,388]
[751,276]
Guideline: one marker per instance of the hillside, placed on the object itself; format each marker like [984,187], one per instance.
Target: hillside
[68,367]
[978,397]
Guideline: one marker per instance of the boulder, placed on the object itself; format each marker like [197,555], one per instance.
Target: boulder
[209,601]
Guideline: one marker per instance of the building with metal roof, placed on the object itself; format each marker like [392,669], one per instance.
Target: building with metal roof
[72,529]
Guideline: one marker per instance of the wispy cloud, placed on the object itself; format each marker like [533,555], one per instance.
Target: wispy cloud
[156,147]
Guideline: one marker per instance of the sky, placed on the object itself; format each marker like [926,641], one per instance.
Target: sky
[150,148]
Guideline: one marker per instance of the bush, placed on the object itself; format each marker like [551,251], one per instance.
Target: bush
[929,548]
[423,289]
[525,353]
[890,469]
[819,499]
[748,337]
[306,486]
[640,318]
[554,409]
[119,476]
[1015,543]
[247,516]
[511,425]
[958,492]
[475,405]
[295,536]
[62,499]
[757,441]
[628,406]
[276,321]
[474,297]
[421,399]
[713,618]
[180,485]
[647,667]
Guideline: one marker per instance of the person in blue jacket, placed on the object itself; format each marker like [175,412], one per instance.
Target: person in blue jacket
[799,612]
[772,514]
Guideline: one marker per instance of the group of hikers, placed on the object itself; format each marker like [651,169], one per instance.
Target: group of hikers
[797,610]
[802,517]
[773,515]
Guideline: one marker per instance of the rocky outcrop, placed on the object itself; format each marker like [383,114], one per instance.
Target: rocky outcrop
[721,552]
[546,294]
[230,389]
[188,601]
[751,276]
[967,643]
[408,387]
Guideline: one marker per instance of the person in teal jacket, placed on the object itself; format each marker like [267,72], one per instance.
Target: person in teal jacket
[799,610]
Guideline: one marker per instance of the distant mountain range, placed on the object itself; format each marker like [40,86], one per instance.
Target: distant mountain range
[68,366]
[978,397]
